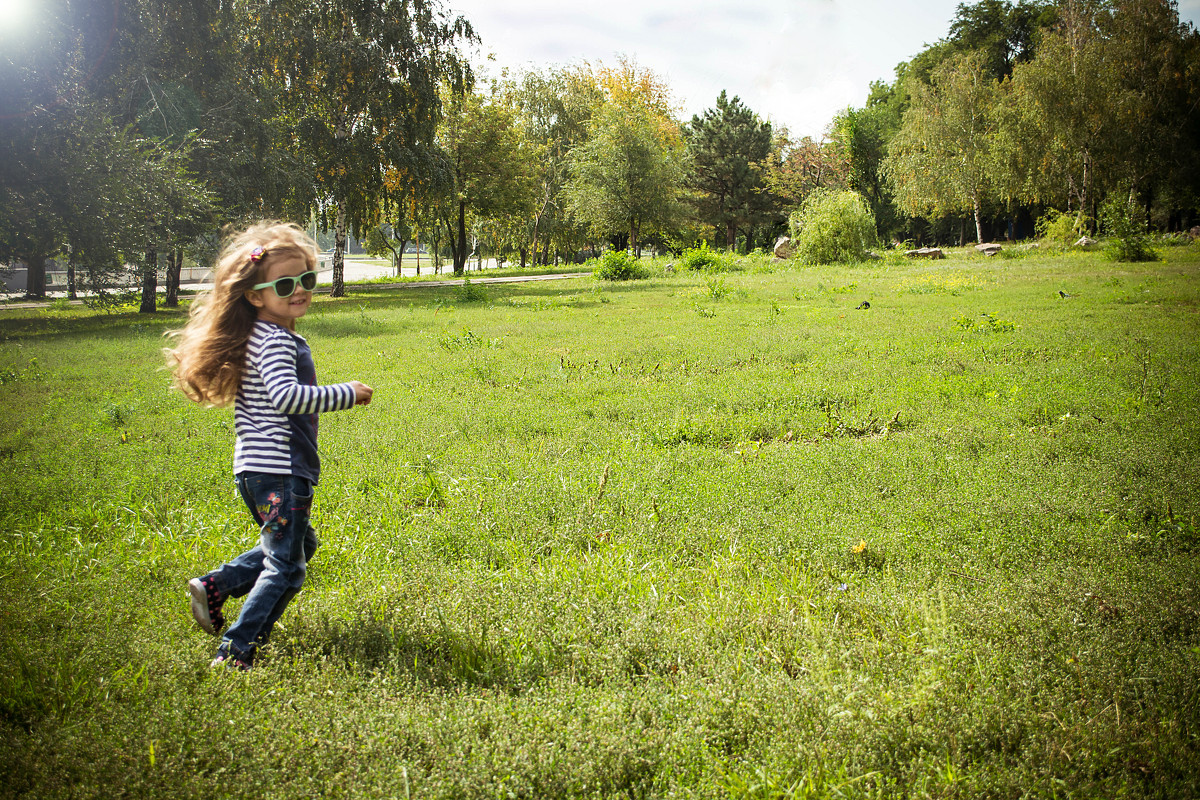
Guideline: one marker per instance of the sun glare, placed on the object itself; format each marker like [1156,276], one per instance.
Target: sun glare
[14,14]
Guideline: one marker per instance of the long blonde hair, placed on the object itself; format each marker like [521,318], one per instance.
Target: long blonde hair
[210,356]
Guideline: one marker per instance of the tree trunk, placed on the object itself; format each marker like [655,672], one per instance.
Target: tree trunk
[524,255]
[730,236]
[978,222]
[459,247]
[149,282]
[174,267]
[400,258]
[35,281]
[72,284]
[338,288]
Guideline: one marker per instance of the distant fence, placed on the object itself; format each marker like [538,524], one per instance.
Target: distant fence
[15,278]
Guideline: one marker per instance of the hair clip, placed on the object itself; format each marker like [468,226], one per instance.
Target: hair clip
[257,253]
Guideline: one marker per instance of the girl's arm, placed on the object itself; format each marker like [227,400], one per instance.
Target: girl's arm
[277,365]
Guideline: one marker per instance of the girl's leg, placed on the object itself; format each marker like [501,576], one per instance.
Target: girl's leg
[311,543]
[243,571]
[287,501]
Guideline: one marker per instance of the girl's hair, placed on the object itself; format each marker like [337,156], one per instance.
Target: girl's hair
[210,357]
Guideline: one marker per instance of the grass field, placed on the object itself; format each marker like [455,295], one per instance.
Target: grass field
[692,536]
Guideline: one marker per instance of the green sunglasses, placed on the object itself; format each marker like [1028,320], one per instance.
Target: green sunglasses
[286,286]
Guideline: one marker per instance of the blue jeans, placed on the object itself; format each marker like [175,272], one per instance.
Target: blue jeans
[271,574]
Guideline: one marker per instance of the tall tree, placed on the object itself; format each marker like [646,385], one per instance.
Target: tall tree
[359,84]
[74,178]
[554,108]
[1060,129]
[728,145]
[490,165]
[866,133]
[627,177]
[795,169]
[1006,33]
[938,162]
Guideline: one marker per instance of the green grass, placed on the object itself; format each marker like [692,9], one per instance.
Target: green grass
[688,536]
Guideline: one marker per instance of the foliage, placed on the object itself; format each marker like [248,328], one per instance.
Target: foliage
[1129,237]
[1005,33]
[627,177]
[939,161]
[704,259]
[1059,228]
[618,265]
[727,146]
[553,109]
[865,134]
[832,227]
[490,166]
[794,169]
[472,292]
[359,84]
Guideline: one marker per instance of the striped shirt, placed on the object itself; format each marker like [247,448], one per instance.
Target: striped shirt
[276,409]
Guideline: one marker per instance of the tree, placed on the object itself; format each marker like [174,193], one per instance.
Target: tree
[1006,33]
[938,162]
[628,176]
[795,169]
[865,134]
[554,109]
[728,145]
[490,166]
[74,178]
[359,84]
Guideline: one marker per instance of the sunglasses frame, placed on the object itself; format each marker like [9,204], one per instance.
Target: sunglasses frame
[297,278]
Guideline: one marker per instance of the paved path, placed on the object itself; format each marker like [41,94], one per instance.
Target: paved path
[405,285]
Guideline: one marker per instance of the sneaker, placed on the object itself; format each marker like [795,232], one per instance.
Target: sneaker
[206,605]
[226,661]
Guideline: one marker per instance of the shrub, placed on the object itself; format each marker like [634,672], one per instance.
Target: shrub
[703,258]
[617,265]
[1128,235]
[832,227]
[1057,227]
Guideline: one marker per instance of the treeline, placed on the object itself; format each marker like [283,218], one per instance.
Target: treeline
[1032,106]
[132,129]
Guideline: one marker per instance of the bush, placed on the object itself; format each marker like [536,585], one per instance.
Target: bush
[832,227]
[618,265]
[1056,227]
[704,259]
[1128,235]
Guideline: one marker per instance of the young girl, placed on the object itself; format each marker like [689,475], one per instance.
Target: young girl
[240,345]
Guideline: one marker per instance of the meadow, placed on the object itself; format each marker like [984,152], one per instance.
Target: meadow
[695,536]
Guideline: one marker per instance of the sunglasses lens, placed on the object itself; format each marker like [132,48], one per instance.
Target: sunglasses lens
[285,286]
[309,280]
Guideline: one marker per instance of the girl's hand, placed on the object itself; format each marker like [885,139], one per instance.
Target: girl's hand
[362,393]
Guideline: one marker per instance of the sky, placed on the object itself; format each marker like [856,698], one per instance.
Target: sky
[796,63]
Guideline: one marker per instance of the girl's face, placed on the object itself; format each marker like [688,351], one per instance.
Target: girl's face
[282,310]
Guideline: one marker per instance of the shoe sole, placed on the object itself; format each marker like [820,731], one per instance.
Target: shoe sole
[200,606]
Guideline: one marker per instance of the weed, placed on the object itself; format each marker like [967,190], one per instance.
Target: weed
[984,323]
[471,292]
[467,340]
[716,287]
[618,265]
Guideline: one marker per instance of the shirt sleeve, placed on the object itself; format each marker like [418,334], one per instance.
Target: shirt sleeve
[276,364]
